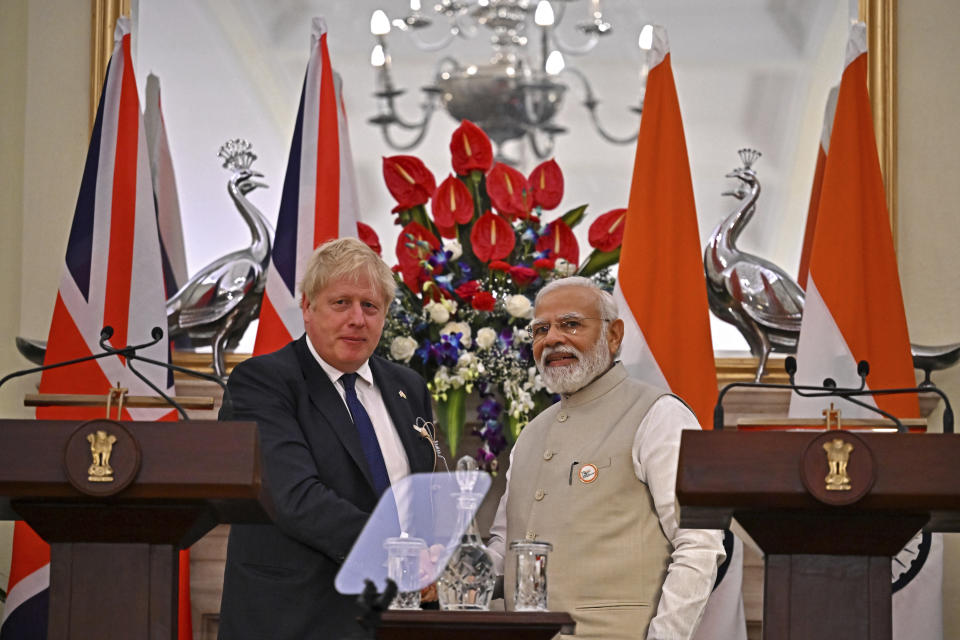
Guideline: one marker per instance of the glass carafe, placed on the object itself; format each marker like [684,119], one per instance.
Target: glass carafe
[468,579]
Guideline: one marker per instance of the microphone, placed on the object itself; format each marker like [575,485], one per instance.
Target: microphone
[157,333]
[130,353]
[108,351]
[829,388]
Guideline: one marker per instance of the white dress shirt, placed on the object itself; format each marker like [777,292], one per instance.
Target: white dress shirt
[655,452]
[394,455]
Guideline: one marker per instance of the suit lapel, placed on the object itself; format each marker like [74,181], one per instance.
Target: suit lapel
[330,407]
[404,416]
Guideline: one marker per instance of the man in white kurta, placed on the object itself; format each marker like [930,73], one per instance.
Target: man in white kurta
[594,475]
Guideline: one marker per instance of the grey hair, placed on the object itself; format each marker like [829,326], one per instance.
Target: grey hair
[346,258]
[606,304]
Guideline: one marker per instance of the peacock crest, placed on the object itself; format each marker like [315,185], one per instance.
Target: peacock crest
[237,155]
[748,157]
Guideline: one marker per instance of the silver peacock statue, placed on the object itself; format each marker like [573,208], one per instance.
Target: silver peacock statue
[751,293]
[217,304]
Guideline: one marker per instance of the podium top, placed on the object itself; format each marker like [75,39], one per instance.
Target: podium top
[193,460]
[723,473]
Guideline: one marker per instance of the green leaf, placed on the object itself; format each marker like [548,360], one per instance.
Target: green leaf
[599,260]
[513,430]
[419,215]
[452,414]
[574,216]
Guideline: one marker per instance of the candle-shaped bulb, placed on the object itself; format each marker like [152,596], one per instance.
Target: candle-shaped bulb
[646,37]
[379,23]
[543,17]
[555,63]
[377,57]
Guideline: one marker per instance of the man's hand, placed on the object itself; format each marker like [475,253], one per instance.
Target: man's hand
[429,593]
[428,569]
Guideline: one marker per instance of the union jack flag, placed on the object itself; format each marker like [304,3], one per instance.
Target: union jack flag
[319,199]
[164,191]
[112,276]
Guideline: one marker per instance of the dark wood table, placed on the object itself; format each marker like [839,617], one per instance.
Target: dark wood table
[473,625]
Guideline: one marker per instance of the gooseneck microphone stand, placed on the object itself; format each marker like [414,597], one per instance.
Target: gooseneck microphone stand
[129,352]
[829,389]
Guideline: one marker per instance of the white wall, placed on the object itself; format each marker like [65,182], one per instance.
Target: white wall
[44,120]
[44,128]
[929,193]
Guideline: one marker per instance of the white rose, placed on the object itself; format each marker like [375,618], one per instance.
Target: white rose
[564,268]
[465,360]
[458,327]
[519,306]
[402,348]
[438,312]
[453,246]
[486,338]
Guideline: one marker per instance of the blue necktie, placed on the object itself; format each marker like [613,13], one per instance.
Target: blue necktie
[368,437]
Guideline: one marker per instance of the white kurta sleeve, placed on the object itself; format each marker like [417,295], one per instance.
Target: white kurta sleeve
[497,544]
[696,552]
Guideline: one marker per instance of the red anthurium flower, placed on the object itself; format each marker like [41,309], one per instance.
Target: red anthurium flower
[558,238]
[409,181]
[467,290]
[509,191]
[500,265]
[470,149]
[606,232]
[415,244]
[546,183]
[545,264]
[483,301]
[369,237]
[523,276]
[452,204]
[492,237]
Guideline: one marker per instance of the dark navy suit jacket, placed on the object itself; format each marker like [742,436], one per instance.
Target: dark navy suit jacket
[279,577]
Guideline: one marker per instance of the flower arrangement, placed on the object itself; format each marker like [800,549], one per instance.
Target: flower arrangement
[468,273]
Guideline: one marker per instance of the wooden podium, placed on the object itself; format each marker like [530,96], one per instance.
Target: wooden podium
[116,501]
[829,510]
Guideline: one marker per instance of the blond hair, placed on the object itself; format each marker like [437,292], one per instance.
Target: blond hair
[346,258]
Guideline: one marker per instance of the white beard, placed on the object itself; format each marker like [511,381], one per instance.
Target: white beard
[571,378]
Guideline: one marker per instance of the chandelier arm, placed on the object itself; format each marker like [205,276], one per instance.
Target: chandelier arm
[559,12]
[424,125]
[436,45]
[439,67]
[465,30]
[537,151]
[590,102]
[572,50]
[427,111]
[607,136]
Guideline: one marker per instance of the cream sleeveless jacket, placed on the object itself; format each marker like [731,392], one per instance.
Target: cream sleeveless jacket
[573,484]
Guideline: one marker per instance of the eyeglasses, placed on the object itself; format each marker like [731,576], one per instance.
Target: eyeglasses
[567,326]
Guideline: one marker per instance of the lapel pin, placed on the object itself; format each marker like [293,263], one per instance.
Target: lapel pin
[588,473]
[403,395]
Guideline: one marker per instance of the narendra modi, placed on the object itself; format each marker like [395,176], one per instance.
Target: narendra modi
[594,475]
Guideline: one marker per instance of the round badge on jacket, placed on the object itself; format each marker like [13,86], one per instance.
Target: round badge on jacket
[588,473]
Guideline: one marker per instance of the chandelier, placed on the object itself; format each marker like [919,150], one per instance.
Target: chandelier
[519,91]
